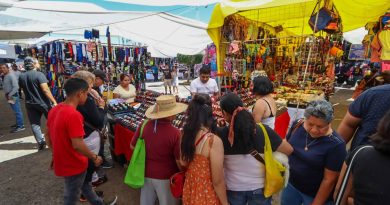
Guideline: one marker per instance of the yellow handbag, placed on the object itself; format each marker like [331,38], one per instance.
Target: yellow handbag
[274,170]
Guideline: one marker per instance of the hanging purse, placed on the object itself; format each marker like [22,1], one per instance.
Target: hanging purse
[135,175]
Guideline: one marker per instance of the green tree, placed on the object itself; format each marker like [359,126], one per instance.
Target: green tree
[190,61]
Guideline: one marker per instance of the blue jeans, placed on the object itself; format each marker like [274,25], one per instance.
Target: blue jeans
[18,111]
[292,196]
[255,197]
[73,185]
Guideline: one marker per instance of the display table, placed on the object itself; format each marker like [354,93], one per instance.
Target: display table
[123,137]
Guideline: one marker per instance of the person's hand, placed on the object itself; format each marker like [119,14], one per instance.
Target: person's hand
[51,166]
[98,161]
[101,103]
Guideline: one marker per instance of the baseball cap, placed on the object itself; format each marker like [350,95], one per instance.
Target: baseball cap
[28,63]
[102,75]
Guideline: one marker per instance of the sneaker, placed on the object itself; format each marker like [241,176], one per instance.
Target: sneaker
[100,181]
[41,146]
[98,193]
[18,129]
[14,126]
[107,165]
[112,201]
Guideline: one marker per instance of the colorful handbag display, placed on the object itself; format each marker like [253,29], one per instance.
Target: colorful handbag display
[135,175]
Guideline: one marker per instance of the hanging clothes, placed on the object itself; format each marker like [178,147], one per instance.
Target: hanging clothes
[79,50]
[384,39]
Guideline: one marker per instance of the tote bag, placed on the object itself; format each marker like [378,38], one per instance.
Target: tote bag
[274,170]
[135,175]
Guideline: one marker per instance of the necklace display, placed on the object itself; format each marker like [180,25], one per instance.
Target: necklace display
[307,145]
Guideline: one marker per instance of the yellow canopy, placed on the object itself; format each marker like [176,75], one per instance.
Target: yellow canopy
[292,15]
[357,13]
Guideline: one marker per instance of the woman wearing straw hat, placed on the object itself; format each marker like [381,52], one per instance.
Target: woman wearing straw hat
[162,144]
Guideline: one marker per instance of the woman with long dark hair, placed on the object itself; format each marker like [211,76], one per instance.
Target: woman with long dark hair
[244,174]
[202,152]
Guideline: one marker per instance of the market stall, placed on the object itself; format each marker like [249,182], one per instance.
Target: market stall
[60,58]
[296,43]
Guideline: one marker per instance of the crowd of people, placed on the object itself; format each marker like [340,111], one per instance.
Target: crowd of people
[217,158]
[219,167]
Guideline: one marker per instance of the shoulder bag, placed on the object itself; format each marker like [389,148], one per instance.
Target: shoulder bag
[274,170]
[135,175]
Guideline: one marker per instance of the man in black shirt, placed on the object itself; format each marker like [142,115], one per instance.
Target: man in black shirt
[167,79]
[39,99]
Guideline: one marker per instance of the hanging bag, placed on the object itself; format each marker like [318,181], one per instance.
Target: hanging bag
[274,170]
[135,175]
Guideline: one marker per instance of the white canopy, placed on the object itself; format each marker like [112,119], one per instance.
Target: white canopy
[165,34]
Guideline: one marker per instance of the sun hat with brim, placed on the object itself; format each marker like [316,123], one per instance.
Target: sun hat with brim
[165,106]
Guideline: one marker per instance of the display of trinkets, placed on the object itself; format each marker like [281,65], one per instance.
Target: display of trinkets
[247,98]
[121,107]
[129,120]
[179,121]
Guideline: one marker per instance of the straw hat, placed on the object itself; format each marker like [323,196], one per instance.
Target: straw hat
[165,106]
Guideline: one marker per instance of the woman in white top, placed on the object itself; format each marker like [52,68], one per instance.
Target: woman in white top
[175,80]
[125,90]
[245,175]
[264,110]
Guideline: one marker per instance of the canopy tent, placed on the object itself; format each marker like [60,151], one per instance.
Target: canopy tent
[357,13]
[10,35]
[164,33]
[293,15]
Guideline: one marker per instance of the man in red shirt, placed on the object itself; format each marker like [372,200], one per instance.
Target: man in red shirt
[65,138]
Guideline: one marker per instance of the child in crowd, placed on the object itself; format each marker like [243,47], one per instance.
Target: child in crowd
[64,137]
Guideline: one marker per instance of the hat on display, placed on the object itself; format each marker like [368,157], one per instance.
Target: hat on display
[100,74]
[28,63]
[165,106]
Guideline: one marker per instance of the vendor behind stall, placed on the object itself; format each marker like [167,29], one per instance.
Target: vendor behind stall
[203,84]
[125,90]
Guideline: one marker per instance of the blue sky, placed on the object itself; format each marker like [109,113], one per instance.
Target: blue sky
[200,13]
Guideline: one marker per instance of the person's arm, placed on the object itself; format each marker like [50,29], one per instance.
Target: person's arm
[258,111]
[285,148]
[193,89]
[46,90]
[15,86]
[348,126]
[326,187]
[277,143]
[217,175]
[47,138]
[93,115]
[79,145]
[116,95]
[116,92]
[348,189]
[135,137]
